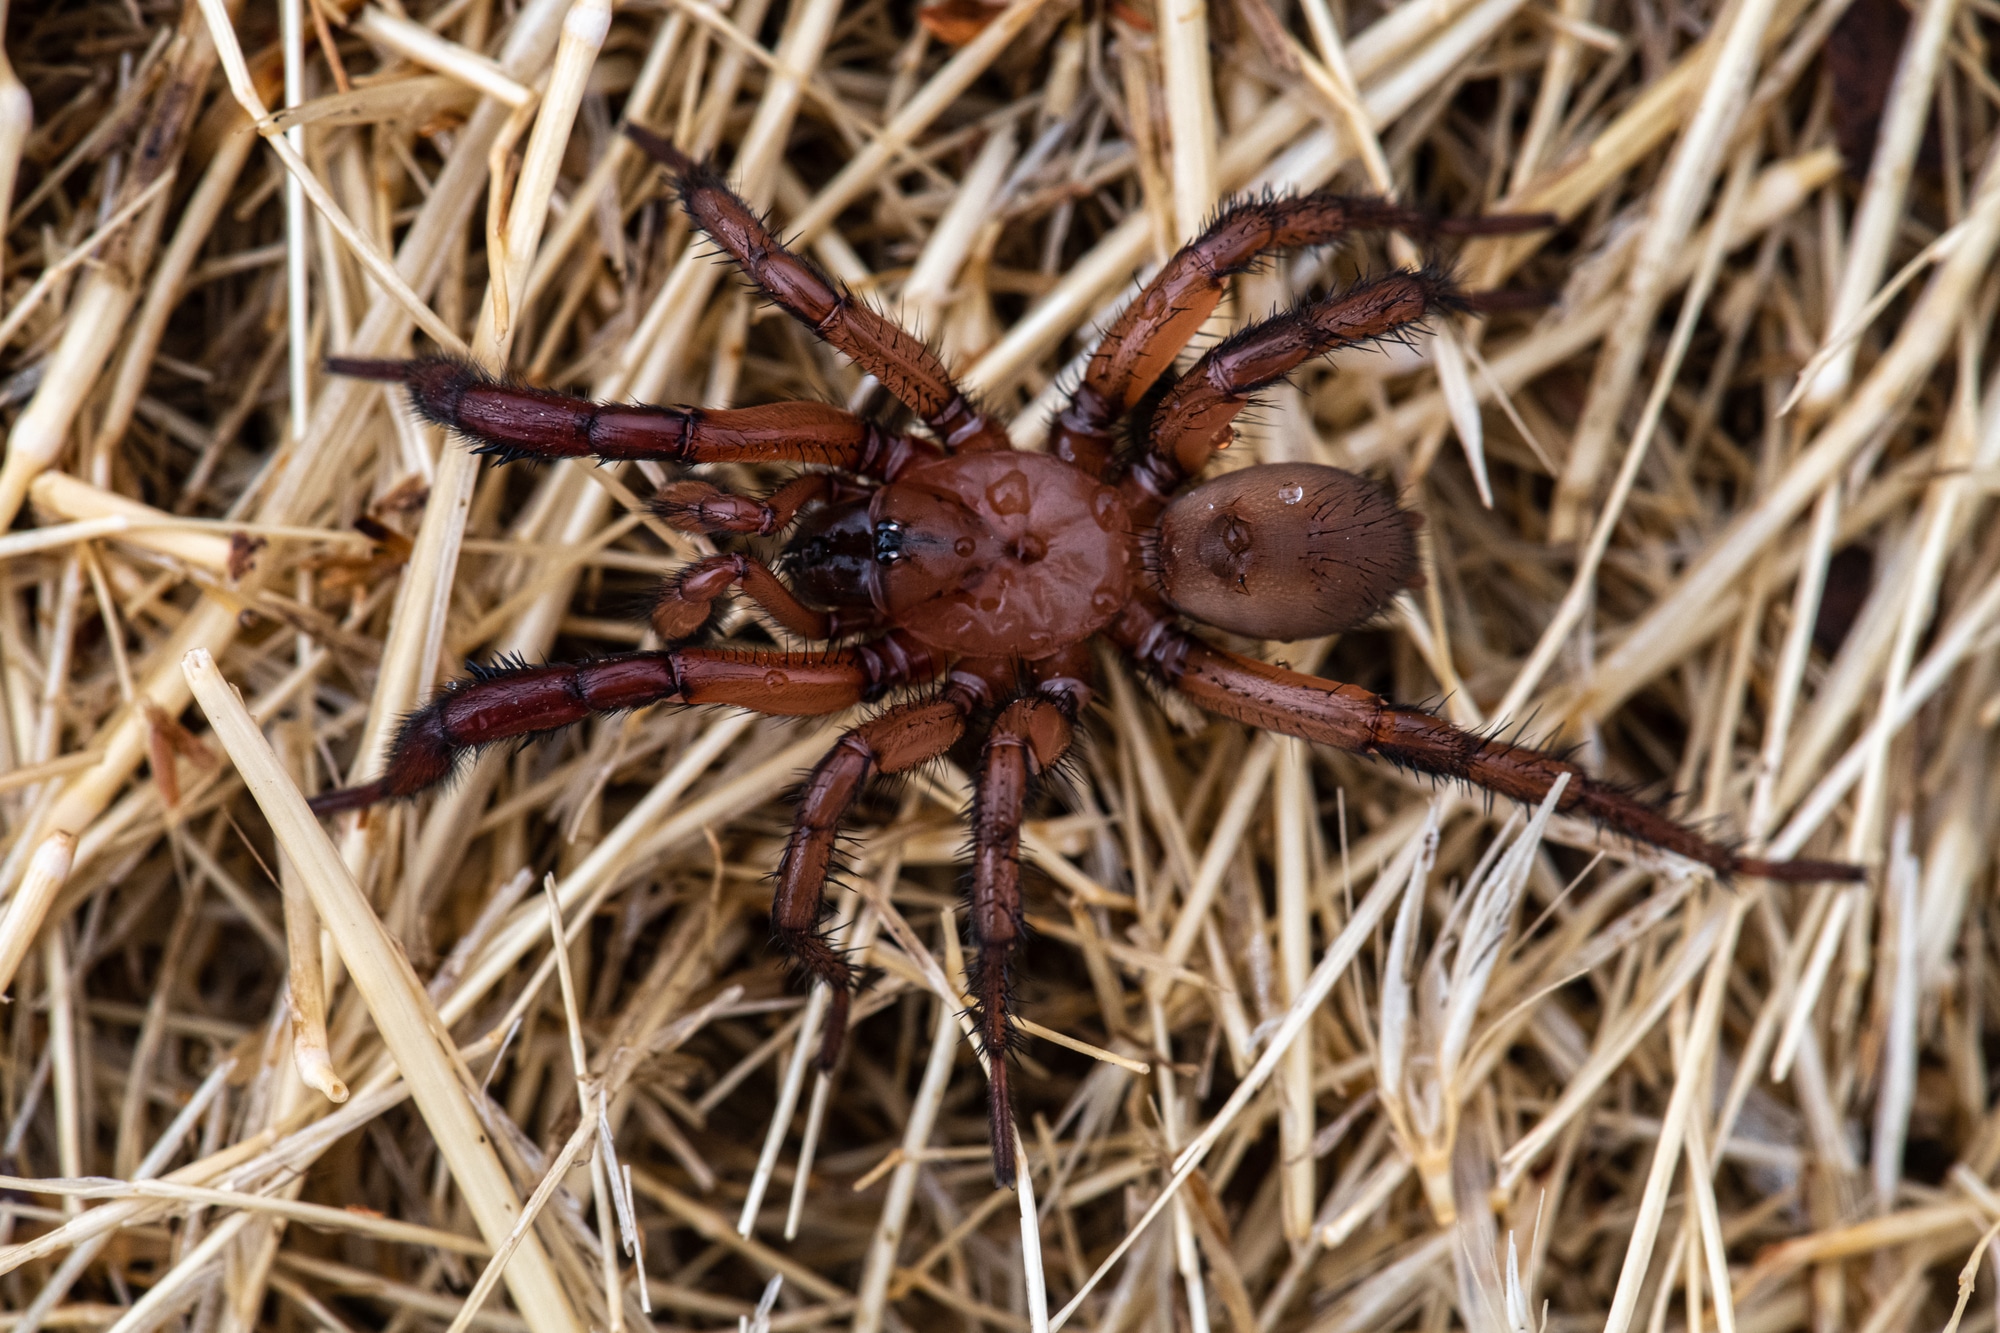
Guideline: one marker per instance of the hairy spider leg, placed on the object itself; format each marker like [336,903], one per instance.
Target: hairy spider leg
[896,741]
[1191,418]
[513,421]
[1030,737]
[1361,721]
[900,360]
[506,703]
[1148,334]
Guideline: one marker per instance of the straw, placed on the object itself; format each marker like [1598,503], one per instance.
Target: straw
[410,1028]
[1305,1046]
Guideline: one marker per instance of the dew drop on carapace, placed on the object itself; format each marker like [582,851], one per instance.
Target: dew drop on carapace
[1291,493]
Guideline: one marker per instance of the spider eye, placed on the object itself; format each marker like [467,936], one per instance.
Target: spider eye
[888,542]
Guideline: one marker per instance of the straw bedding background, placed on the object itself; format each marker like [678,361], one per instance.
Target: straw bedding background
[1317,1047]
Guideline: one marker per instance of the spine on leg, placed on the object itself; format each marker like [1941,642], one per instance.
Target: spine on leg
[499,705]
[517,421]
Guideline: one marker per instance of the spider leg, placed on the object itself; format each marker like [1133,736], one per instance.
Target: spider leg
[898,358]
[1195,414]
[1355,719]
[504,703]
[1148,334]
[689,598]
[513,421]
[899,739]
[1030,737]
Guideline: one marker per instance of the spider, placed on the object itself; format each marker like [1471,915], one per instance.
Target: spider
[971,577]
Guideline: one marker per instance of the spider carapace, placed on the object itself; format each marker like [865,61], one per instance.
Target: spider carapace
[967,579]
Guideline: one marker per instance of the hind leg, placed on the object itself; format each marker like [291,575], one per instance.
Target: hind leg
[1358,720]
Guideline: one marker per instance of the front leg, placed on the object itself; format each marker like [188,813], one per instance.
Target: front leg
[1148,335]
[897,358]
[1030,737]
[514,422]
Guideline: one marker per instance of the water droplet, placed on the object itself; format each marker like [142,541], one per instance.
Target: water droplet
[963,548]
[1104,601]
[776,680]
[1107,509]
[1291,493]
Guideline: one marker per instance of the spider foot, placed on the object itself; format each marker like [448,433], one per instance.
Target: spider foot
[343,799]
[991,979]
[814,956]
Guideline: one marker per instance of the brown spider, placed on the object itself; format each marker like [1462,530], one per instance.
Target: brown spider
[958,562]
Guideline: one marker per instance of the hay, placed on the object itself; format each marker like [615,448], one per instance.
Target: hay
[1311,1046]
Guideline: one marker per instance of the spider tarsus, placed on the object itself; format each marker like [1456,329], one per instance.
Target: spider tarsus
[369,368]
[991,979]
[1496,224]
[814,957]
[662,150]
[1000,1122]
[1800,872]
[833,1033]
[343,799]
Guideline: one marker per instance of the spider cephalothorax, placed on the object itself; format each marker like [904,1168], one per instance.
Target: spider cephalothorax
[970,578]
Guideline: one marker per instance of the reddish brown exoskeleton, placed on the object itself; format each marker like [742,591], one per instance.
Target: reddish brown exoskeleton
[973,576]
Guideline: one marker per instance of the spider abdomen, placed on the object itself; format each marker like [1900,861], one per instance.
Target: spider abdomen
[997,554]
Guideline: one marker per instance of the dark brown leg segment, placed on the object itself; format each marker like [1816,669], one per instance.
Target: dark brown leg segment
[506,703]
[512,422]
[898,358]
[1355,719]
[1193,416]
[899,739]
[1030,737]
[1149,333]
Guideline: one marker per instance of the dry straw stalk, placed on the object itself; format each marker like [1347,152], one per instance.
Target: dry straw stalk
[1308,1047]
